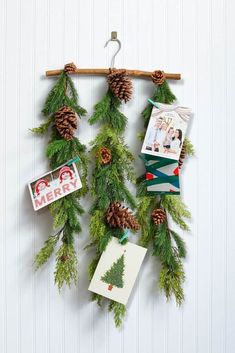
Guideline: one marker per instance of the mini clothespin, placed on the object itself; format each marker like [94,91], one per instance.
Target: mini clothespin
[125,235]
[74,160]
[154,103]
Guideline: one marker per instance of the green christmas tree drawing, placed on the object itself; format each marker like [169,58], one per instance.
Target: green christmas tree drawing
[114,276]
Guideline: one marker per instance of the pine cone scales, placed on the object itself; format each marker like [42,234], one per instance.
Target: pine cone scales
[120,84]
[105,155]
[182,157]
[66,122]
[158,77]
[158,216]
[70,68]
[118,216]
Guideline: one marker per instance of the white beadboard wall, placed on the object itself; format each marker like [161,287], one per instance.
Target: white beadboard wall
[193,37]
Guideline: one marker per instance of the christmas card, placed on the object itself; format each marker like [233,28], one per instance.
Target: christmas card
[166,131]
[162,175]
[55,184]
[117,270]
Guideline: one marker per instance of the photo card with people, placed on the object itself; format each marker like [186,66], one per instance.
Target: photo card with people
[166,131]
[54,185]
[117,270]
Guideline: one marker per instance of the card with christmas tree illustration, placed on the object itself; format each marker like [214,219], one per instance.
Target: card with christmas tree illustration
[117,270]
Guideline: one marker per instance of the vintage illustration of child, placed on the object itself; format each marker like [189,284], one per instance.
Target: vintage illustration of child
[65,174]
[41,187]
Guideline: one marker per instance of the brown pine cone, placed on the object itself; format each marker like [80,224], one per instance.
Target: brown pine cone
[158,77]
[64,258]
[182,157]
[105,155]
[158,216]
[120,84]
[118,216]
[66,122]
[70,68]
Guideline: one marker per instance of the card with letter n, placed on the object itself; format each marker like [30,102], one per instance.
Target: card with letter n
[162,175]
[54,185]
[117,270]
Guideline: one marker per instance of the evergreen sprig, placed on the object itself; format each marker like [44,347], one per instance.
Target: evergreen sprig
[167,245]
[109,182]
[162,94]
[107,112]
[65,211]
[119,312]
[177,209]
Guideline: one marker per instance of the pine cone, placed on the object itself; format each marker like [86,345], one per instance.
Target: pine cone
[64,258]
[105,155]
[118,216]
[66,122]
[182,156]
[158,77]
[158,216]
[70,68]
[120,84]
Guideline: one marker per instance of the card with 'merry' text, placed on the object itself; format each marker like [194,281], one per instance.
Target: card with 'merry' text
[54,185]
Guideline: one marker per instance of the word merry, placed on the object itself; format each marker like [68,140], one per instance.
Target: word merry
[56,193]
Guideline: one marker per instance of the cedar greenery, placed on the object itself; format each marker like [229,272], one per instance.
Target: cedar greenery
[66,210]
[167,245]
[108,183]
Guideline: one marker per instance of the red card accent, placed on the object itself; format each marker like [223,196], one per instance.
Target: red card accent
[149,176]
[172,190]
[176,171]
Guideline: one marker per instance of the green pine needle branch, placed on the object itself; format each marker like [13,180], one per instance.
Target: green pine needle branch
[167,245]
[109,182]
[65,211]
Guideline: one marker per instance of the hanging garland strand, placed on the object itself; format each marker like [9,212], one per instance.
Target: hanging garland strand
[109,218]
[61,110]
[153,212]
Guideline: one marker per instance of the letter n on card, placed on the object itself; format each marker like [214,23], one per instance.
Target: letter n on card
[54,185]
[162,175]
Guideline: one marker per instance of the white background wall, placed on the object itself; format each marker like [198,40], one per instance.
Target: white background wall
[194,38]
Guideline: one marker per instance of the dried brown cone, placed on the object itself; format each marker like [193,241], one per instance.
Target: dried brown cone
[118,216]
[182,157]
[70,68]
[105,155]
[64,258]
[158,77]
[120,84]
[66,122]
[158,216]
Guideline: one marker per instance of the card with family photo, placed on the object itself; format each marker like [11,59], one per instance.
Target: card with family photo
[54,185]
[166,131]
[117,270]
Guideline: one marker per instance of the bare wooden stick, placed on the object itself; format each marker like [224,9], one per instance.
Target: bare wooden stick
[137,73]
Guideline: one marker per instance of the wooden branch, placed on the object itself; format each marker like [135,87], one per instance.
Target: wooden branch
[136,73]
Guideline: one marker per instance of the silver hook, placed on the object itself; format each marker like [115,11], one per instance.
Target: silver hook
[114,39]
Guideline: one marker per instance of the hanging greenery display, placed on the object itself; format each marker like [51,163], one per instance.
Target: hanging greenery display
[61,110]
[155,210]
[112,211]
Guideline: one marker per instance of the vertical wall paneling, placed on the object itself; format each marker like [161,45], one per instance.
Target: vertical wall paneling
[192,37]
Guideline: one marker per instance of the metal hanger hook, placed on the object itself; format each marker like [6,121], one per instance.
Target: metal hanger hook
[114,39]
